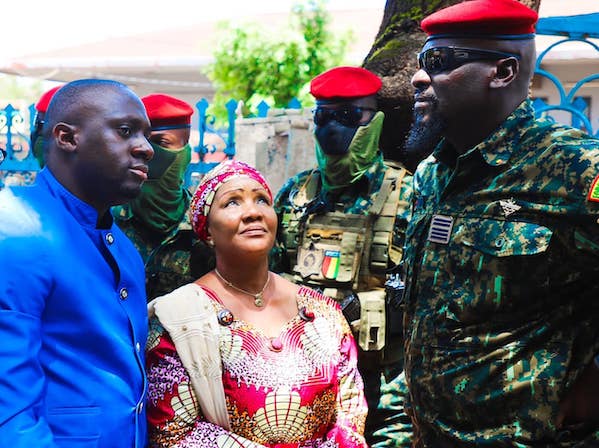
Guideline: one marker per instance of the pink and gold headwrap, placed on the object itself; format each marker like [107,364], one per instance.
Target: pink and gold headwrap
[212,181]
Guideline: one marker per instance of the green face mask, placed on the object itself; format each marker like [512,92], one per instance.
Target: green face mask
[162,160]
[340,171]
[163,199]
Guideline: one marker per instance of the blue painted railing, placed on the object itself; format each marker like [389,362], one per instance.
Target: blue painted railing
[568,101]
[206,126]
[15,142]
[577,28]
[17,157]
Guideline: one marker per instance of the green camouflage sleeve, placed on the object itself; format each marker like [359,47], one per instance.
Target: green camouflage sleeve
[397,429]
[279,262]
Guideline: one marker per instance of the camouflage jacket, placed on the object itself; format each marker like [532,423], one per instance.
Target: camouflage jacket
[172,259]
[356,200]
[502,256]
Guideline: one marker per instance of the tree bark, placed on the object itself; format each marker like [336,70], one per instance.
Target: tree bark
[393,58]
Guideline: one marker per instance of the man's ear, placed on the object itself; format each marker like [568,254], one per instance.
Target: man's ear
[65,136]
[506,70]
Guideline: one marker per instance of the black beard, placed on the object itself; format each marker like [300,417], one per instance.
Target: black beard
[424,135]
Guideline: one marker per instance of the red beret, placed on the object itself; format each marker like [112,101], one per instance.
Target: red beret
[42,103]
[167,112]
[498,19]
[345,82]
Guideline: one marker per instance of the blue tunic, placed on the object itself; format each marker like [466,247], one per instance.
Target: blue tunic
[73,324]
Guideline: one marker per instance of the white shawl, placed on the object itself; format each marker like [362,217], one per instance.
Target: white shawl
[190,318]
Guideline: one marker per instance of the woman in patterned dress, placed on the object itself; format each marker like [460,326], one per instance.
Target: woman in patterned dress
[287,370]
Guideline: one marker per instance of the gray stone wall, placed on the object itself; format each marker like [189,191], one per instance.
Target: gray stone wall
[280,145]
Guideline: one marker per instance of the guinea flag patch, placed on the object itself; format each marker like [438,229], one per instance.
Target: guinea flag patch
[330,264]
[594,191]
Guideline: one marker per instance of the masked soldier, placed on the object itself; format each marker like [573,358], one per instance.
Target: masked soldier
[341,230]
[156,221]
[36,140]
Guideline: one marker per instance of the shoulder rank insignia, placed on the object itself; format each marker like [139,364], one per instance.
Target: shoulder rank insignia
[594,191]
[440,229]
[509,206]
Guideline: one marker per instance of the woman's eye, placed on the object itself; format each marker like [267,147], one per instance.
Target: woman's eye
[264,200]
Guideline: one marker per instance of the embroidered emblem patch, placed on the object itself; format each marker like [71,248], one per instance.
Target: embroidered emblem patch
[330,264]
[509,206]
[440,229]
[594,191]
[309,261]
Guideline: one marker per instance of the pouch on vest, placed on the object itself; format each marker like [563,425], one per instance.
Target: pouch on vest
[372,320]
[331,249]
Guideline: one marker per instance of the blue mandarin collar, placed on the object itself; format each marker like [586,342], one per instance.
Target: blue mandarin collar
[84,213]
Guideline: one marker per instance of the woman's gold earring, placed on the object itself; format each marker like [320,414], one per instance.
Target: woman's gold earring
[210,244]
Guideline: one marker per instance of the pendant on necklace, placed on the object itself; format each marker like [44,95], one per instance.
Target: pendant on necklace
[259,300]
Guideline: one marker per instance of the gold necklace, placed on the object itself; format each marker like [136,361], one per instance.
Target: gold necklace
[258,298]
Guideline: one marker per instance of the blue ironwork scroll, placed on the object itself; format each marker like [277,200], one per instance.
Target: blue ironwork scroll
[574,29]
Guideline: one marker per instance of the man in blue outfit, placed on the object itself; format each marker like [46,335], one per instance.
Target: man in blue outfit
[72,299]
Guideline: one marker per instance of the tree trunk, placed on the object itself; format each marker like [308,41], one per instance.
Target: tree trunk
[393,58]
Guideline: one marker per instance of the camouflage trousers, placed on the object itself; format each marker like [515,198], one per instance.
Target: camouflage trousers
[387,424]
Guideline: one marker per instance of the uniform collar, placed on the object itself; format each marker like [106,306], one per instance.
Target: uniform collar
[498,148]
[84,213]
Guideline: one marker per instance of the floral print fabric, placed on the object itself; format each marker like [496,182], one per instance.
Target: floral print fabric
[300,389]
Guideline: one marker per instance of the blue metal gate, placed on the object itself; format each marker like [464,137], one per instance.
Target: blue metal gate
[578,28]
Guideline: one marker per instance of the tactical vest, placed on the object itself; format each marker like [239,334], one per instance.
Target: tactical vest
[341,253]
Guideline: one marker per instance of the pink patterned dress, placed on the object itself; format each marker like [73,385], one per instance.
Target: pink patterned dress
[301,389]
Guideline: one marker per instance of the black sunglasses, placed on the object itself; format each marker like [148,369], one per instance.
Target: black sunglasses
[440,59]
[347,116]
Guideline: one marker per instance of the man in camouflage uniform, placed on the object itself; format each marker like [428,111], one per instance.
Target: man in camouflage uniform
[35,139]
[502,248]
[157,221]
[341,230]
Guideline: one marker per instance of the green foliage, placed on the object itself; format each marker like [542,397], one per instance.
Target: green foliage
[252,63]
[14,89]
